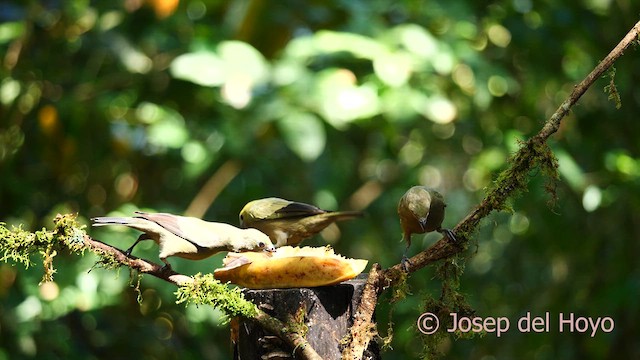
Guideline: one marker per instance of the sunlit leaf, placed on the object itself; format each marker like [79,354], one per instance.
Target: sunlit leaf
[591,198]
[359,45]
[341,101]
[242,60]
[394,69]
[393,103]
[417,40]
[570,170]
[133,58]
[438,109]
[9,90]
[202,68]
[10,31]
[167,127]
[304,134]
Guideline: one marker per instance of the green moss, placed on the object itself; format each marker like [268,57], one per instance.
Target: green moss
[206,290]
[451,301]
[19,245]
[533,155]
[296,323]
[611,88]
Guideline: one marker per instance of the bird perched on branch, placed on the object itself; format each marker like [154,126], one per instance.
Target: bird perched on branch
[421,210]
[288,222]
[188,237]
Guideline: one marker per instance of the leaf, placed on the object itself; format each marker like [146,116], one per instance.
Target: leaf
[167,127]
[340,100]
[304,135]
[203,68]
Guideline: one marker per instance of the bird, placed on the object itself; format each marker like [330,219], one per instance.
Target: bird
[421,210]
[188,237]
[289,222]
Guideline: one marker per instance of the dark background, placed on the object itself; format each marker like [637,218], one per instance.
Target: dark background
[108,107]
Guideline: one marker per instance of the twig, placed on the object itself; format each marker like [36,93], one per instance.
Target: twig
[495,199]
[266,321]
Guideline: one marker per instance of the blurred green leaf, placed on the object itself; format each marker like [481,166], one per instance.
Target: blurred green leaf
[11,30]
[166,126]
[202,68]
[340,100]
[304,134]
[570,170]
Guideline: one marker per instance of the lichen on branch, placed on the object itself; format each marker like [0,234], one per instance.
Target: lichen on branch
[19,245]
[206,290]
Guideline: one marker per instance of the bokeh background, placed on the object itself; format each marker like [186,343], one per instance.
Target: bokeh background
[198,106]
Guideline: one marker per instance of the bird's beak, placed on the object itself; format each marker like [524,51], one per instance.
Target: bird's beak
[423,223]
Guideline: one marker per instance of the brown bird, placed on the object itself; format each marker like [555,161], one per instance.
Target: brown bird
[288,222]
[421,210]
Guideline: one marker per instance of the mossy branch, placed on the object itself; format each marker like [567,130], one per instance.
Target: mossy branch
[533,153]
[19,246]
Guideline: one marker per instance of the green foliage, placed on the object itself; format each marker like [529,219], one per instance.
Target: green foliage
[206,290]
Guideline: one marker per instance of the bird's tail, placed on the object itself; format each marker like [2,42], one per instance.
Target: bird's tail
[105,220]
[132,222]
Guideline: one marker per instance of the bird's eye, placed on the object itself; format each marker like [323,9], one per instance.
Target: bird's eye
[261,244]
[241,217]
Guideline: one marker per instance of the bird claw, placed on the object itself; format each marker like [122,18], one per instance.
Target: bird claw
[448,233]
[166,268]
[405,263]
[142,237]
[127,252]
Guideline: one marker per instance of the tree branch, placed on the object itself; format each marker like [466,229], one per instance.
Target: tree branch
[531,154]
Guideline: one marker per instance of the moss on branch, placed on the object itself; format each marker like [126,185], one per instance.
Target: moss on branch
[206,290]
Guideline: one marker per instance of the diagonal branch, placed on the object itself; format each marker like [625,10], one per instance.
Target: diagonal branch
[530,155]
[298,343]
[212,188]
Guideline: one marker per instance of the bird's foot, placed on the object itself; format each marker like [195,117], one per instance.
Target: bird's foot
[448,233]
[405,263]
[142,237]
[166,269]
[128,251]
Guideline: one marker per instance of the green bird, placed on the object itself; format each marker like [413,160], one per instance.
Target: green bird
[421,210]
[288,222]
[188,237]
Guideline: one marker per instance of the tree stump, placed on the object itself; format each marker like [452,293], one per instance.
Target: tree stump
[326,311]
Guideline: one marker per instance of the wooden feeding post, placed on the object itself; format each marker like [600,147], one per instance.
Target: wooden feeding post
[327,312]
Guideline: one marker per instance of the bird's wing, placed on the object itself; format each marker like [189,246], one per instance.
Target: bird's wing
[296,210]
[167,221]
[202,234]
[207,234]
